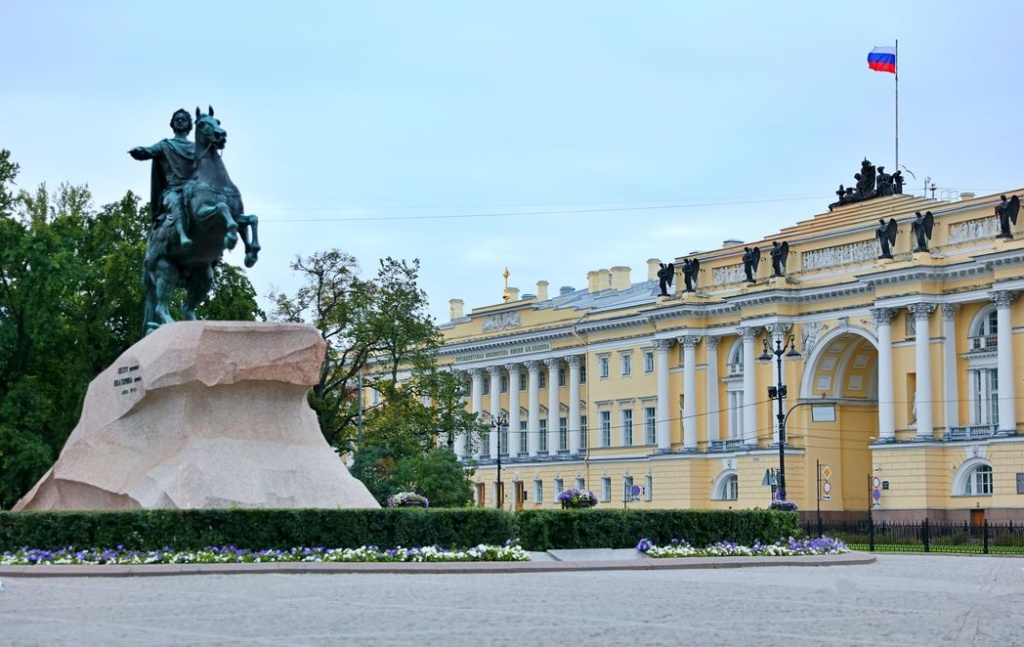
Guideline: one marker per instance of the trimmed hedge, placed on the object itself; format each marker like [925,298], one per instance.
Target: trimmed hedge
[387,528]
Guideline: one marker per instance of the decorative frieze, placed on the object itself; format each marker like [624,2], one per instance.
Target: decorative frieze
[729,274]
[977,229]
[828,257]
[499,322]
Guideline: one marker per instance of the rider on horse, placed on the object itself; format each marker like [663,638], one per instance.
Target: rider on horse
[173,164]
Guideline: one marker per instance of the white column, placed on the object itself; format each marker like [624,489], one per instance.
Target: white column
[923,398]
[714,418]
[886,407]
[513,409]
[661,347]
[689,343]
[749,386]
[477,394]
[575,429]
[495,373]
[1007,376]
[553,411]
[533,408]
[950,380]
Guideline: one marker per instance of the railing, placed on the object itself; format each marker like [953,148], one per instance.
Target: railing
[986,342]
[925,537]
[971,432]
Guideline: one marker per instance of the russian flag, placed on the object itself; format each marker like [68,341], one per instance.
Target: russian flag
[883,59]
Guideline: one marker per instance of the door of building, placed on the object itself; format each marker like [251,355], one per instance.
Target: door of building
[520,495]
[481,493]
[977,518]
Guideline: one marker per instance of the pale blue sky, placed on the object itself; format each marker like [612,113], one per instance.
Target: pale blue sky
[386,122]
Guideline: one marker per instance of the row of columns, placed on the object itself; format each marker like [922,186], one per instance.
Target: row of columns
[886,406]
[923,394]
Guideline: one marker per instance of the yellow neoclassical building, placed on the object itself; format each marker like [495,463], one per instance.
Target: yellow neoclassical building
[891,324]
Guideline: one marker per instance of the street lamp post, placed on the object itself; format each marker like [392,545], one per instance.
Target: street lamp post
[500,427]
[778,393]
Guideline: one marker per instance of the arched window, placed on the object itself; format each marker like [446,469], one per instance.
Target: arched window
[982,372]
[727,488]
[974,479]
[734,390]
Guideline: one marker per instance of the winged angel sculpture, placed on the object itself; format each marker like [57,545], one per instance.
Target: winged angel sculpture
[886,235]
[1007,211]
[922,228]
[691,267]
[780,252]
[666,273]
[751,259]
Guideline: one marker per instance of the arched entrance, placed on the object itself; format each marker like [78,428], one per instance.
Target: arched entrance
[836,420]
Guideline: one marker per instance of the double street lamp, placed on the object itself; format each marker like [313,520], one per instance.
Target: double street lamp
[500,428]
[778,393]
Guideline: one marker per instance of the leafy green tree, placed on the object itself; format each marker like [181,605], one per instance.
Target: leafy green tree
[438,475]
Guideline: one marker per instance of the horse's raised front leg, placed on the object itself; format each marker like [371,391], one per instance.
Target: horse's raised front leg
[249,229]
[231,238]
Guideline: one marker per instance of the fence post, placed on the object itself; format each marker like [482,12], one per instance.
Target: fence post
[924,535]
[871,533]
[984,529]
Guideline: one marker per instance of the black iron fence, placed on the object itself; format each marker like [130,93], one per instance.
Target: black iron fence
[983,539]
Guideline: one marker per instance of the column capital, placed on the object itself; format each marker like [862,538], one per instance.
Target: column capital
[1003,298]
[713,341]
[883,316]
[475,372]
[778,329]
[921,310]
[747,332]
[552,362]
[662,344]
[532,365]
[574,360]
[689,342]
[512,367]
[949,310]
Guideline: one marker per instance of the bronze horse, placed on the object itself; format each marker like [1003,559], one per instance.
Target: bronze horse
[215,222]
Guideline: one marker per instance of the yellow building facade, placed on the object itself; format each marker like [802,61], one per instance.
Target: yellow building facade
[905,396]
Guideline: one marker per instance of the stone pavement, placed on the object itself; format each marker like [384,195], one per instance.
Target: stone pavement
[878,600]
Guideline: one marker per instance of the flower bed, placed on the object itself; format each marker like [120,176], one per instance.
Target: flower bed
[230,555]
[682,548]
[408,500]
[577,498]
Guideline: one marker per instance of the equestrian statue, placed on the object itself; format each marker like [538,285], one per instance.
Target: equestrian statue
[197,214]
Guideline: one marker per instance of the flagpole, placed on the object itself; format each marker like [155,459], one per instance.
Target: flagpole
[897,75]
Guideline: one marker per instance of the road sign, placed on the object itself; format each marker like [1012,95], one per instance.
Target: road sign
[826,472]
[826,489]
[876,482]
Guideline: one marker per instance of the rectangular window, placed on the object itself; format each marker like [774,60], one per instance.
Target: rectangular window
[650,426]
[522,381]
[606,489]
[543,379]
[602,367]
[648,361]
[583,432]
[524,438]
[648,488]
[735,415]
[563,434]
[504,384]
[627,489]
[503,442]
[561,377]
[581,484]
[626,360]
[627,427]
[558,488]
[606,428]
[538,491]
[486,387]
[542,446]
[583,374]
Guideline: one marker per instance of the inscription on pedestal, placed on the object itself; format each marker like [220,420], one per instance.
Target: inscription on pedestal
[126,378]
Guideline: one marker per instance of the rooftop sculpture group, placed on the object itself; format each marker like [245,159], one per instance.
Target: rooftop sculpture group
[871,182]
[197,214]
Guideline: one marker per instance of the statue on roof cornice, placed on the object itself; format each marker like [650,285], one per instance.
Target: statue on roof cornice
[1007,211]
[922,228]
[691,267]
[666,273]
[871,182]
